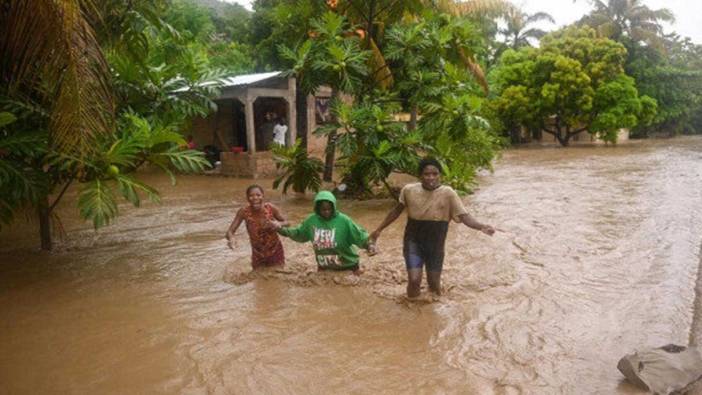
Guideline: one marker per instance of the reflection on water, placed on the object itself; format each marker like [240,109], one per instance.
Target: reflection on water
[600,257]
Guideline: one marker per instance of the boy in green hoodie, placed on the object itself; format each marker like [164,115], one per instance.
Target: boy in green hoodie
[333,235]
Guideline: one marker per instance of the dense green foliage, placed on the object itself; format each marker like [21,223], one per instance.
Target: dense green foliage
[153,87]
[675,81]
[218,31]
[280,22]
[425,59]
[665,67]
[574,82]
[298,170]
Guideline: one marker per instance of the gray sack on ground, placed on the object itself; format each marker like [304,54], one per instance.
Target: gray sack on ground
[663,370]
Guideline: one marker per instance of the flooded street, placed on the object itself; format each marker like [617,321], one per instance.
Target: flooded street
[600,257]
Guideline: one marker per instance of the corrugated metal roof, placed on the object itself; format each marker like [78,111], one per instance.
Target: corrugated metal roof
[238,80]
[248,79]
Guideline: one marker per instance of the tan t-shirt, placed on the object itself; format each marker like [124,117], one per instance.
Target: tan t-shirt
[441,204]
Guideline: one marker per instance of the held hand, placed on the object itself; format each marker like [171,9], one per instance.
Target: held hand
[488,230]
[373,237]
[372,248]
[275,225]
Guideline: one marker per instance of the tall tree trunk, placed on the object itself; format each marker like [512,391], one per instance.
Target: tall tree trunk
[331,148]
[329,158]
[369,23]
[515,135]
[560,136]
[44,213]
[536,134]
[301,105]
[413,118]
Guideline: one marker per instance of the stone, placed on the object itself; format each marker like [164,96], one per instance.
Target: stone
[663,370]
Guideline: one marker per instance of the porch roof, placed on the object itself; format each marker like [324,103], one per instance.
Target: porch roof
[248,79]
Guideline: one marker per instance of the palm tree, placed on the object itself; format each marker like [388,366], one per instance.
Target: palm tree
[48,51]
[631,18]
[49,55]
[57,117]
[517,33]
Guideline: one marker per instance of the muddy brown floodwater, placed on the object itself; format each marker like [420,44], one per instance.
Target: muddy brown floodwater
[600,257]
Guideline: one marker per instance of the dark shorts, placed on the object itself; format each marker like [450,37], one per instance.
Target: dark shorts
[424,244]
[416,258]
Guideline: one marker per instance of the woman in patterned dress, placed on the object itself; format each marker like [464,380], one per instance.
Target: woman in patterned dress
[261,219]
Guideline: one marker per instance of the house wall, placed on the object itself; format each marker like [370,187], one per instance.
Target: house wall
[258,165]
[241,117]
[217,129]
[317,145]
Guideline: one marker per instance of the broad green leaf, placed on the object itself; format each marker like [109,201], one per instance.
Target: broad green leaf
[6,118]
[96,203]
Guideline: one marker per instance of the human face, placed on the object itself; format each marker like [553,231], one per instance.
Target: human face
[255,198]
[326,209]
[430,177]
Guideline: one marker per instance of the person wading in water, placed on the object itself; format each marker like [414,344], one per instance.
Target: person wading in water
[430,207]
[261,220]
[334,235]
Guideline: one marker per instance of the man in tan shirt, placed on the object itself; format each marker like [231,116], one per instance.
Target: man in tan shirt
[430,207]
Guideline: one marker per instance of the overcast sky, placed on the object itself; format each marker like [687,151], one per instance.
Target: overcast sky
[688,13]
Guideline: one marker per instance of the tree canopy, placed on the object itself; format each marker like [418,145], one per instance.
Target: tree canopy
[574,82]
[88,99]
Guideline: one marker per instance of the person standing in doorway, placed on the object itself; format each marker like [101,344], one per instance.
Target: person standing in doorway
[430,207]
[265,132]
[280,130]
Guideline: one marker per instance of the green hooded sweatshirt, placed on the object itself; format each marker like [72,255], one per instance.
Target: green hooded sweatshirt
[333,239]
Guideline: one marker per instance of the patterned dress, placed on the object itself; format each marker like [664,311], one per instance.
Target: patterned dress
[266,248]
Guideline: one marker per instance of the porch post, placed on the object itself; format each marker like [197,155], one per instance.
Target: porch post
[250,130]
[292,111]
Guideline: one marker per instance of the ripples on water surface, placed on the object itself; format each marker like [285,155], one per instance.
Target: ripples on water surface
[600,258]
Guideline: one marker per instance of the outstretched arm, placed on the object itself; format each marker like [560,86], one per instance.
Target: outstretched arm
[300,233]
[469,221]
[238,219]
[390,218]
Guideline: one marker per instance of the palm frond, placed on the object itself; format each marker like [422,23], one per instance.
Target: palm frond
[533,33]
[52,44]
[539,16]
[474,68]
[382,74]
[476,8]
